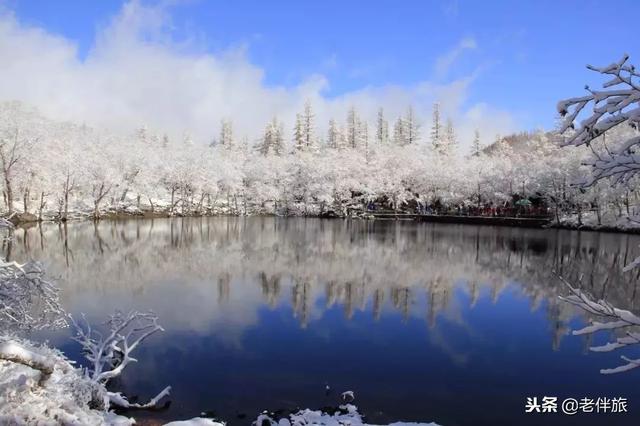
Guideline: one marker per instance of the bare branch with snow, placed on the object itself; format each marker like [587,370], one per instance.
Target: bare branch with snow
[109,355]
[27,300]
[610,108]
[616,319]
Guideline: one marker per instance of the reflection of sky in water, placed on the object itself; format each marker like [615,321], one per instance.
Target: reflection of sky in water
[423,322]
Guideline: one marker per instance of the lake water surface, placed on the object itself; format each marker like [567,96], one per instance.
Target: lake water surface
[455,324]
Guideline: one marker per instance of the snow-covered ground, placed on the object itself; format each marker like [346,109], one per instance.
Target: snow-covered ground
[50,391]
[609,221]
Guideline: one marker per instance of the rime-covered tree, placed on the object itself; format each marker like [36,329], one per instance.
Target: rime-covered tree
[308,126]
[299,137]
[476,145]
[226,134]
[272,140]
[412,130]
[436,128]
[355,134]
[333,135]
[399,132]
[448,143]
[19,127]
[382,128]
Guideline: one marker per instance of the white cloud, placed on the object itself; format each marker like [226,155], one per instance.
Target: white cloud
[137,73]
[444,62]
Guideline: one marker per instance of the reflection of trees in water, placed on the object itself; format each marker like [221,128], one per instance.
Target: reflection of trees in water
[347,263]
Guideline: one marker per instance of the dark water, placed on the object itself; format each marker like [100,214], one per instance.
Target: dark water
[449,323]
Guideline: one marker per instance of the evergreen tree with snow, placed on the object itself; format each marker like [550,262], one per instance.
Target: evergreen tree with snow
[449,143]
[412,130]
[436,128]
[450,140]
[299,139]
[382,128]
[399,132]
[272,140]
[476,145]
[308,129]
[355,136]
[333,134]
[226,134]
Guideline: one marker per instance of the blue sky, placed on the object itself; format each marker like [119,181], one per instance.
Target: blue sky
[523,55]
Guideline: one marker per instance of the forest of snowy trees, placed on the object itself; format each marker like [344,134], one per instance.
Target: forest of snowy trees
[57,170]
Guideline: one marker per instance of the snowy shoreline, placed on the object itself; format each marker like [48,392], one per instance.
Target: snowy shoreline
[622,225]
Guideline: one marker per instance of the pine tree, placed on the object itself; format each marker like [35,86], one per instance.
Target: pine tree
[449,142]
[399,132]
[382,128]
[278,138]
[308,119]
[364,133]
[412,130]
[436,131]
[272,141]
[333,135]
[226,134]
[298,134]
[353,128]
[476,146]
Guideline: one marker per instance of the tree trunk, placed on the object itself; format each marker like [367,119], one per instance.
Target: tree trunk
[579,214]
[66,205]
[41,207]
[8,193]
[173,193]
[25,200]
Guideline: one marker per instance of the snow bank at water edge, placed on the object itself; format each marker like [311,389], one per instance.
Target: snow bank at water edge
[38,385]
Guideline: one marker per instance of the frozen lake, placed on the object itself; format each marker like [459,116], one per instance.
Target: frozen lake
[432,322]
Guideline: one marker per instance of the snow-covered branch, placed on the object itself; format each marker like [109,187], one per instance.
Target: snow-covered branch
[27,300]
[15,352]
[110,354]
[610,108]
[615,319]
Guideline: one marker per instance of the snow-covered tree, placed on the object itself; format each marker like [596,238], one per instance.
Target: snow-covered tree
[226,134]
[436,128]
[447,143]
[299,137]
[476,145]
[399,132]
[19,128]
[382,128]
[308,125]
[334,136]
[273,139]
[412,130]
[354,136]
